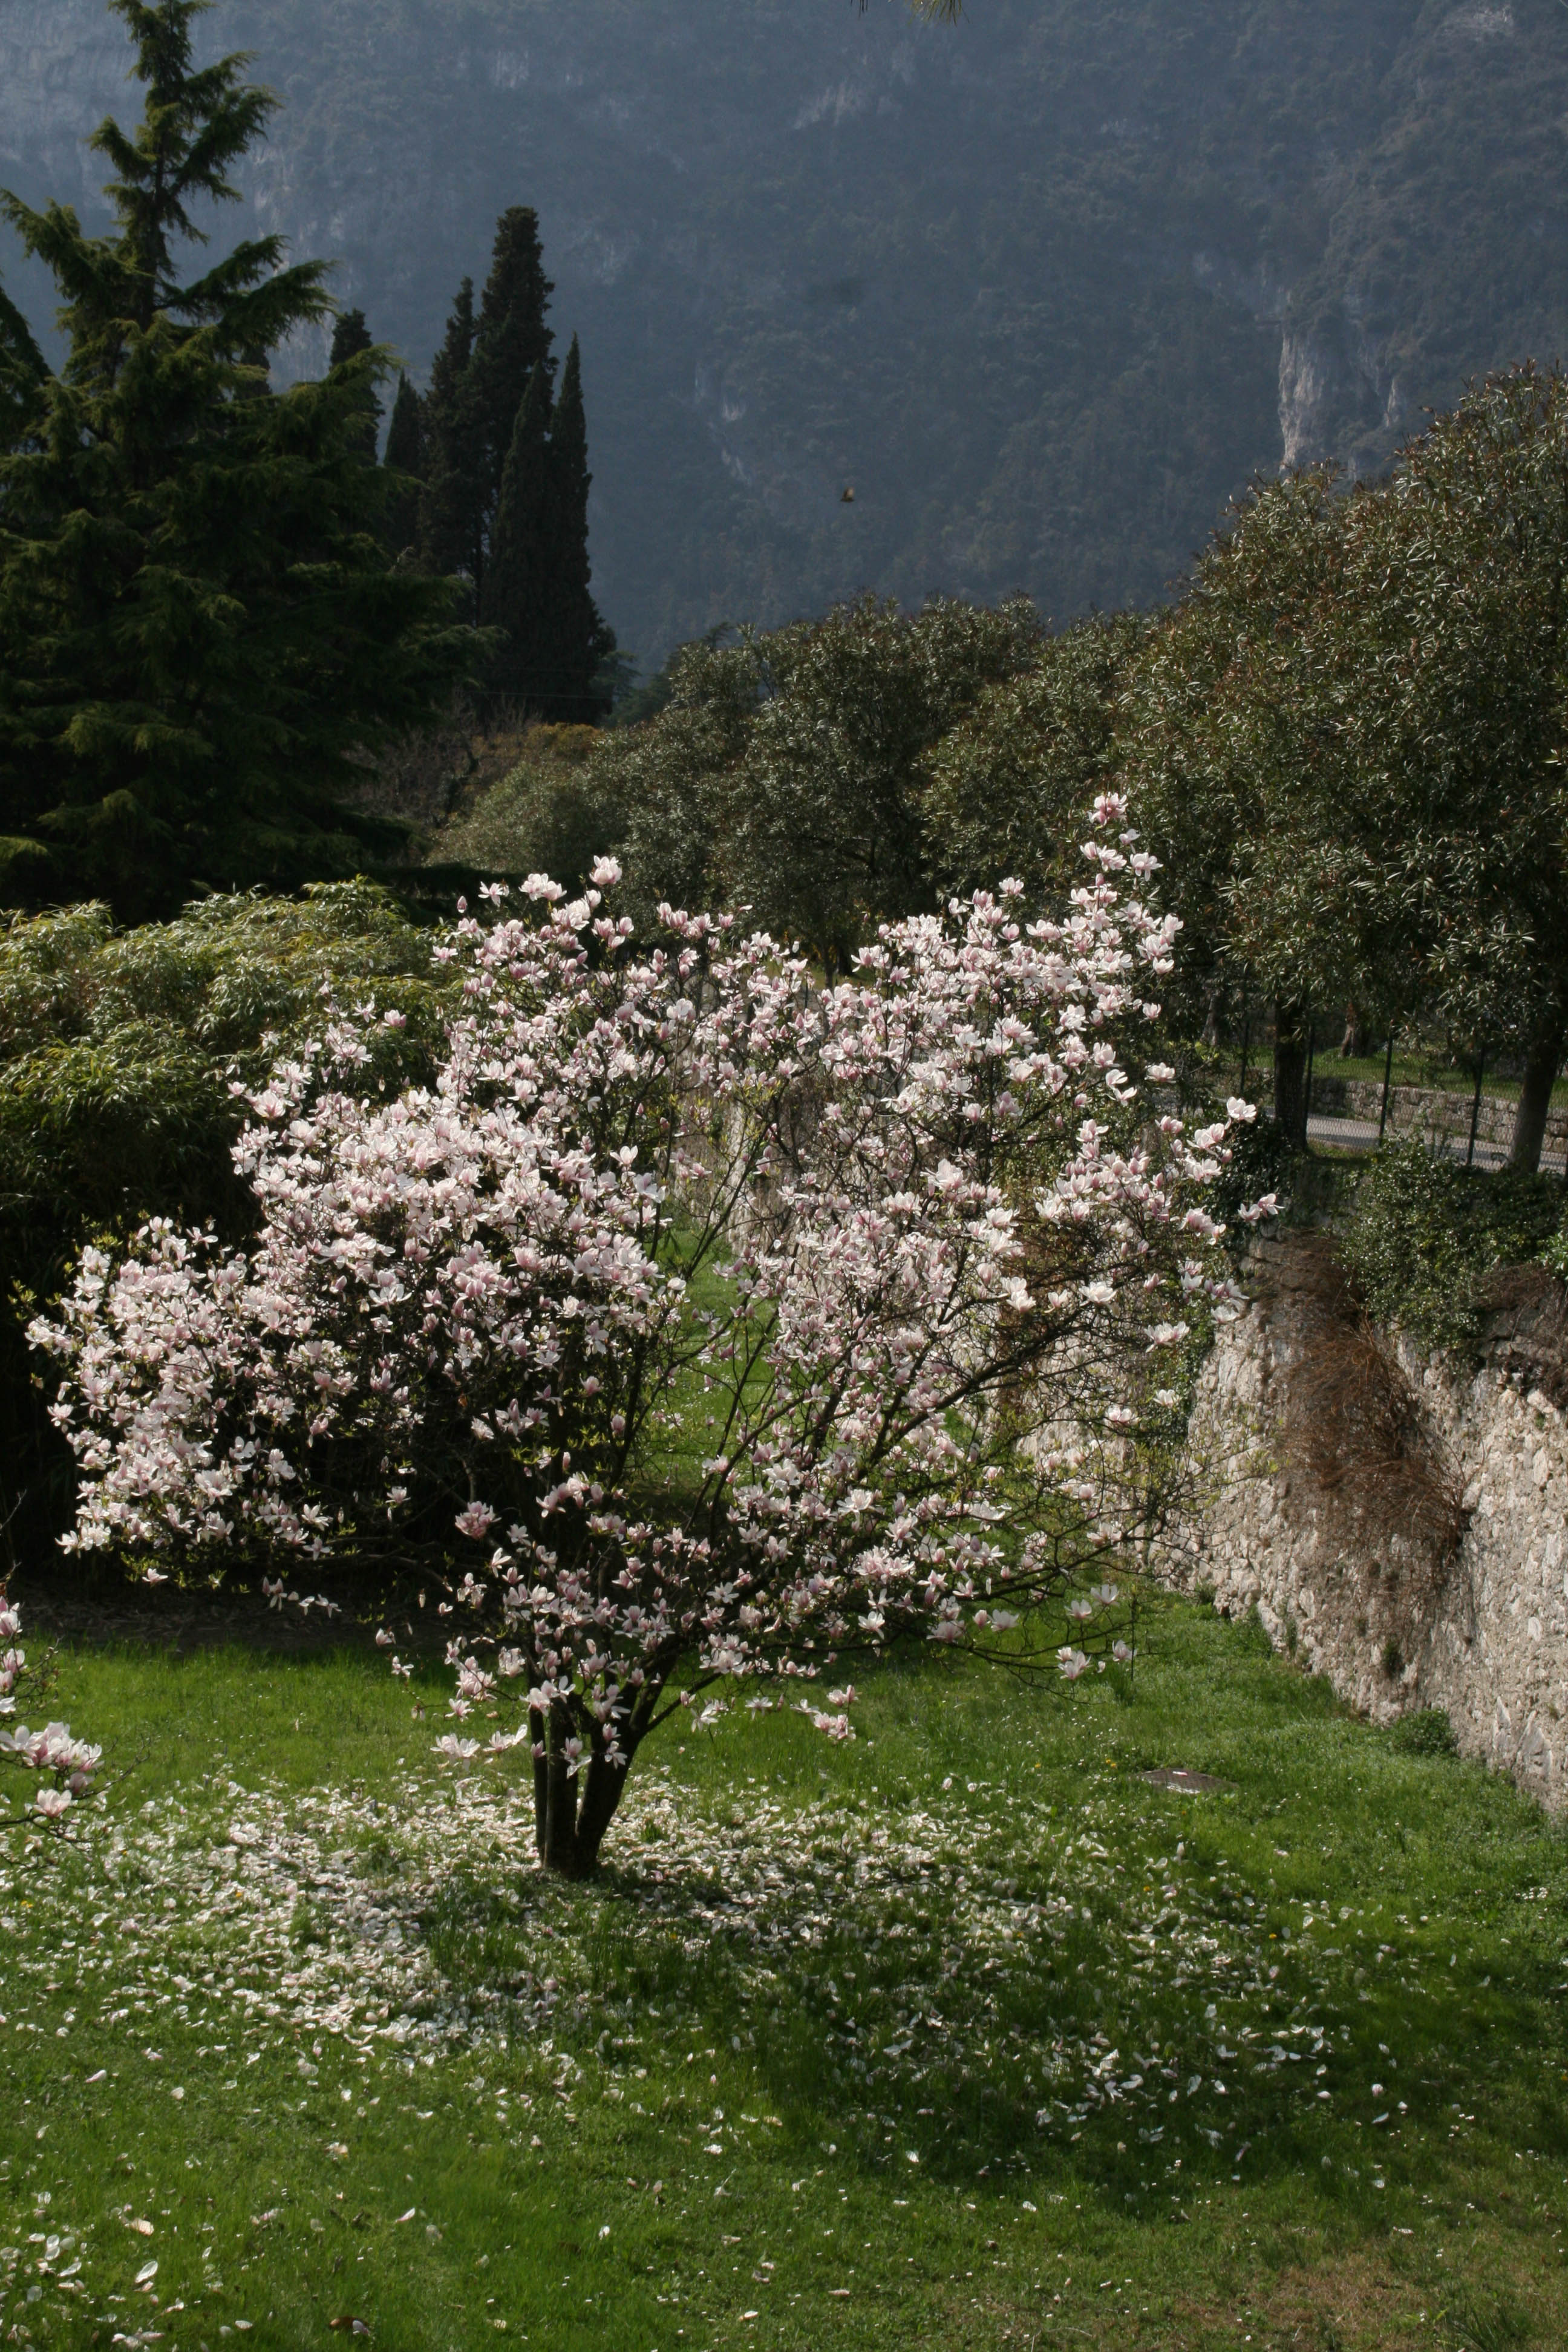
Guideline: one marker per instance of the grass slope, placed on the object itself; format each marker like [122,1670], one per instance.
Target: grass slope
[920,2040]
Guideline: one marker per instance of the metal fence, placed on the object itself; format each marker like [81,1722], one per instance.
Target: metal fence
[1471,1121]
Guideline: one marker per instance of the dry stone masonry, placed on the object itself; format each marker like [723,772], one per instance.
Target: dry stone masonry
[1429,1573]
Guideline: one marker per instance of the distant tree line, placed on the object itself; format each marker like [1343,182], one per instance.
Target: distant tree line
[1345,742]
[216,607]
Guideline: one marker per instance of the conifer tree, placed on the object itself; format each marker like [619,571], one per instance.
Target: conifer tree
[406,466]
[22,374]
[576,640]
[511,341]
[350,338]
[518,584]
[199,633]
[451,514]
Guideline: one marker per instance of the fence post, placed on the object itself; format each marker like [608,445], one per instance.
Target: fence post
[1387,1075]
[1476,1104]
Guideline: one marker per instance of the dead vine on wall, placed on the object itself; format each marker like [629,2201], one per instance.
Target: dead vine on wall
[1352,1425]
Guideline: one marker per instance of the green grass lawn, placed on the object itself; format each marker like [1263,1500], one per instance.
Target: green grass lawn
[962,2034]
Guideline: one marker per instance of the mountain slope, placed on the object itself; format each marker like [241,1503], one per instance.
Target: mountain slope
[1044,289]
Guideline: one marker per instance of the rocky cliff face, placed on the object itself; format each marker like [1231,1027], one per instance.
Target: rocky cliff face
[1429,1567]
[1046,288]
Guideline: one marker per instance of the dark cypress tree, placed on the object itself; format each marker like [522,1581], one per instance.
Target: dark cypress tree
[451,511]
[350,342]
[511,341]
[406,466]
[577,640]
[517,582]
[199,636]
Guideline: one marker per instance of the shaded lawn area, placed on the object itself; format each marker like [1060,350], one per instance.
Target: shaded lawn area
[962,2033]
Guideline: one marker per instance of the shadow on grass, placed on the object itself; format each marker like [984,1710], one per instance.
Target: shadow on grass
[1119,1988]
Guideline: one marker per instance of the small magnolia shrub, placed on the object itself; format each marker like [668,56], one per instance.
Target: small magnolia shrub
[63,1766]
[699,1325]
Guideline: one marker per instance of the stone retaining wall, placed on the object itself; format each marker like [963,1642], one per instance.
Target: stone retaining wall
[1422,1110]
[1341,1574]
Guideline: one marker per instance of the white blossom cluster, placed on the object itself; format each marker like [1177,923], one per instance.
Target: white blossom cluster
[699,1325]
[64,1765]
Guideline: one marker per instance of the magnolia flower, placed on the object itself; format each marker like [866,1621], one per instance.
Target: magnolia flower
[1072,1662]
[52,1803]
[448,1287]
[458,1750]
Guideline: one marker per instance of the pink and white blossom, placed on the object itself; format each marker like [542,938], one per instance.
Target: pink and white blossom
[886,1252]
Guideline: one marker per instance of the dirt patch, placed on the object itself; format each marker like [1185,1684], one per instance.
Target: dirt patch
[1366,2302]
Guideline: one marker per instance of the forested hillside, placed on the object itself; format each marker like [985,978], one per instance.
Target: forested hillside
[1043,288]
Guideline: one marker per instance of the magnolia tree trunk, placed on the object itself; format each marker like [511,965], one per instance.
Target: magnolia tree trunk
[1290,1072]
[572,1811]
[1542,1063]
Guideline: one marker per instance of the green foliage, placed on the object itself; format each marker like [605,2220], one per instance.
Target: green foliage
[542,817]
[120,1055]
[352,340]
[1425,1731]
[517,584]
[510,342]
[787,772]
[1422,1232]
[405,462]
[198,630]
[1008,790]
[1348,741]
[505,500]
[451,506]
[577,641]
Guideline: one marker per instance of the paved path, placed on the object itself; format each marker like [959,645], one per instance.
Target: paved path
[1361,1134]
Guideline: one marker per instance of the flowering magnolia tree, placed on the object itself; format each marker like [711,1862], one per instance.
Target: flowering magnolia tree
[60,1768]
[699,1326]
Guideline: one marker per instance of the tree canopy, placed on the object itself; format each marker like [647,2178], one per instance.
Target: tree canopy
[200,635]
